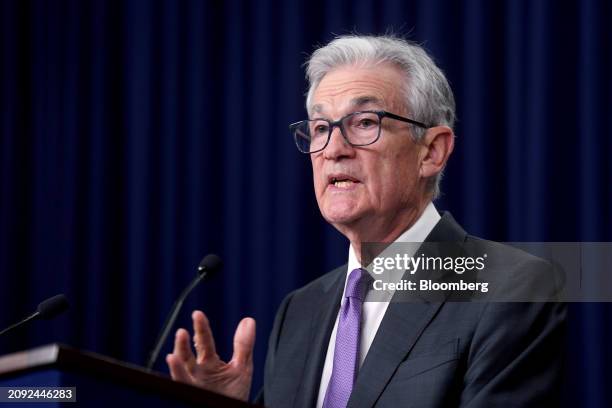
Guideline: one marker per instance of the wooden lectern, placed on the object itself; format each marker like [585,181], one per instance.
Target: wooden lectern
[101,381]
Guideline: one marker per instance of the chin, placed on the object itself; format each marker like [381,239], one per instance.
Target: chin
[338,216]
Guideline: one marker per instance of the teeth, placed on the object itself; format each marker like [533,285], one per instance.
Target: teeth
[343,184]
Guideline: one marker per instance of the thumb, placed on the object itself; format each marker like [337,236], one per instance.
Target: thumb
[244,341]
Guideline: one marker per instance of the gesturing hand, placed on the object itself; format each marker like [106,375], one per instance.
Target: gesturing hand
[206,369]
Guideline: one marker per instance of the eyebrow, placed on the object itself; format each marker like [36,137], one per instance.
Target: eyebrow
[355,103]
[365,100]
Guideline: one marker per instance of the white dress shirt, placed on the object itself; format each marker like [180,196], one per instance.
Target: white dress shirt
[373,311]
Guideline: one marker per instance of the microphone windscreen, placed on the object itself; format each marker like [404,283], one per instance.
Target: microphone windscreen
[210,264]
[53,306]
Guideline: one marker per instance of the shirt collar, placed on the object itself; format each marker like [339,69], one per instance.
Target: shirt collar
[417,232]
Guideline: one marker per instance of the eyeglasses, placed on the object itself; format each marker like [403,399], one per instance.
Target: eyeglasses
[357,128]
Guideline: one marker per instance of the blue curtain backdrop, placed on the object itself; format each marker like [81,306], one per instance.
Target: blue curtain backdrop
[138,136]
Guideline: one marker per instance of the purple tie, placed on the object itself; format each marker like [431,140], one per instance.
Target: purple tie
[346,352]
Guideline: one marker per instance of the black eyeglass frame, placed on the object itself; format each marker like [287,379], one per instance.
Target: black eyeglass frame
[381,114]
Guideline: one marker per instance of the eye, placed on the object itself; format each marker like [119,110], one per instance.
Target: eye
[319,128]
[366,123]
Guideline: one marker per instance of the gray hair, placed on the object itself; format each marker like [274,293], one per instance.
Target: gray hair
[428,96]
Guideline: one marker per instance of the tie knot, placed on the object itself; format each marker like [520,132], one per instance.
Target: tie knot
[357,284]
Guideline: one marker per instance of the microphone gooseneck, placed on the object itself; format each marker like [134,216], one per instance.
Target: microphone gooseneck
[47,309]
[209,265]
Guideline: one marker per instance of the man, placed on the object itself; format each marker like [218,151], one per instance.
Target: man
[379,136]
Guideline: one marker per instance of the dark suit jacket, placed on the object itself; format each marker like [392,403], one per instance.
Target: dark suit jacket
[429,354]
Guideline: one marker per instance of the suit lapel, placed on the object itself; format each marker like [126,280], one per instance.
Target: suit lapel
[399,330]
[322,324]
[447,230]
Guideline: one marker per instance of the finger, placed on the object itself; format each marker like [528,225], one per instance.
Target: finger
[244,341]
[182,348]
[203,337]
[178,370]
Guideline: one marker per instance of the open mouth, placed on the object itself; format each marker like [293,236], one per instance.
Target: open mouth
[342,181]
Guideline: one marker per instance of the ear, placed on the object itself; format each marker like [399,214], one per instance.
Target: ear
[437,145]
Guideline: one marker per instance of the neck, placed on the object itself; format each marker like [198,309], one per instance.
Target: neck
[383,232]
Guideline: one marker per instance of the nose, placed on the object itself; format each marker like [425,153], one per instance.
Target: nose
[338,147]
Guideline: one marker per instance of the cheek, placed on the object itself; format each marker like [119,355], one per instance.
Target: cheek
[389,187]
[396,174]
[383,184]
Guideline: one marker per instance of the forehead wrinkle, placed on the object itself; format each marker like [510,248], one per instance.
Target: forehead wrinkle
[364,91]
[360,101]
[355,103]
[346,88]
[368,87]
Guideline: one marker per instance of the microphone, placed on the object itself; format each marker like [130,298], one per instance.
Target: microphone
[47,309]
[209,265]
